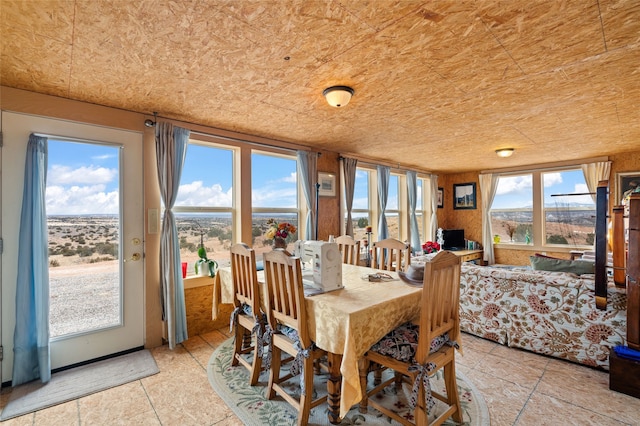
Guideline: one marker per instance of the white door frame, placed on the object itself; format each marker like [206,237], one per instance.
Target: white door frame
[16,130]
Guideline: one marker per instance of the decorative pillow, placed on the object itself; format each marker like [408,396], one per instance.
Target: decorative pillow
[540,263]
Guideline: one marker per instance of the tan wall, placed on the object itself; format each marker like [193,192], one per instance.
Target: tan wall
[329,207]
[469,220]
[198,302]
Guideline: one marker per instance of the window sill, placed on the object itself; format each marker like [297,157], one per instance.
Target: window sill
[194,282]
[541,249]
[515,246]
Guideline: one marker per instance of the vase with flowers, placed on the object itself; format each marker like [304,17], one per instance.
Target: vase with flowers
[279,232]
[430,247]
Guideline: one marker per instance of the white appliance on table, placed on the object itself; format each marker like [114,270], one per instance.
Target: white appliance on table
[321,264]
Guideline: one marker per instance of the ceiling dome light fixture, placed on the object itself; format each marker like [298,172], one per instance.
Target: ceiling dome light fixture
[504,152]
[338,96]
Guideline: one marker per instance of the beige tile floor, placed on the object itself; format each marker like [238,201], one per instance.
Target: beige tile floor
[520,388]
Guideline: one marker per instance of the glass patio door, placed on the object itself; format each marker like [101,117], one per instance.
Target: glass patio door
[95,231]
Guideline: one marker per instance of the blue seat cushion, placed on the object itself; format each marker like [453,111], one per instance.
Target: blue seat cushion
[401,343]
[291,333]
[246,309]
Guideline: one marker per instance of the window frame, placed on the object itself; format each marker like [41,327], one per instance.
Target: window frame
[301,206]
[539,212]
[423,214]
[403,206]
[210,210]
[373,211]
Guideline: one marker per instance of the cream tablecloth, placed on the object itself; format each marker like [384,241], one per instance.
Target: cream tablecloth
[347,321]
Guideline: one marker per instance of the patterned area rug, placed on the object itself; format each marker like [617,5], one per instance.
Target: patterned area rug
[251,406]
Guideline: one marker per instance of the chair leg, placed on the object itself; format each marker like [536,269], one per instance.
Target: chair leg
[238,343]
[307,397]
[452,390]
[363,368]
[398,381]
[256,364]
[377,374]
[420,412]
[274,372]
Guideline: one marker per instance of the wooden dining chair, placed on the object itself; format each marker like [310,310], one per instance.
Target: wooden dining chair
[247,318]
[390,255]
[287,319]
[418,351]
[350,249]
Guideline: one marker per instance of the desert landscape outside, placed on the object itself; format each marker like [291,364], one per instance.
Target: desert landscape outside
[84,254]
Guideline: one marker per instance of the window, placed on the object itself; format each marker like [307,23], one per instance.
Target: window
[274,195]
[361,209]
[420,210]
[392,212]
[204,207]
[84,232]
[568,219]
[423,208]
[365,210]
[512,208]
[544,208]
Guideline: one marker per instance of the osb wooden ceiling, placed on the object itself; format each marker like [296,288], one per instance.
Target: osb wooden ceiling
[439,85]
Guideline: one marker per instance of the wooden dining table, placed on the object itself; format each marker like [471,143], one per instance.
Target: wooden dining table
[346,323]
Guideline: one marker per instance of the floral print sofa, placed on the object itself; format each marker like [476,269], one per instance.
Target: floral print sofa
[551,313]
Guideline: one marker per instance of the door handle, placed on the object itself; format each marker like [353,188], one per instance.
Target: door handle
[134,257]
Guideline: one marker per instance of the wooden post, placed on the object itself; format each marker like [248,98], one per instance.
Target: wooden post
[602,206]
[633,274]
[619,247]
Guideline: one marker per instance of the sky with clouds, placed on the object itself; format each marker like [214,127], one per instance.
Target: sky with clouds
[517,191]
[83,179]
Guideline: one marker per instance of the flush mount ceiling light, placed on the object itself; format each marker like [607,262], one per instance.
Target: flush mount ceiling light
[504,152]
[338,96]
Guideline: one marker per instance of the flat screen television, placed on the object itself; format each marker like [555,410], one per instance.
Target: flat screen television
[453,239]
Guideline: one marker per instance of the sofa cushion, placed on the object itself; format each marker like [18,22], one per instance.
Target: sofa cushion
[578,267]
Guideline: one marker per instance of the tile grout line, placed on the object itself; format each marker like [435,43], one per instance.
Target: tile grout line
[153,407]
[515,421]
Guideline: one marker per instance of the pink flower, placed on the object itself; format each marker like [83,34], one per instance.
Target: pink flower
[430,247]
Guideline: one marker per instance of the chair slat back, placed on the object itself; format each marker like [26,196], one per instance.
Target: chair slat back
[244,275]
[390,255]
[350,249]
[440,303]
[285,301]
